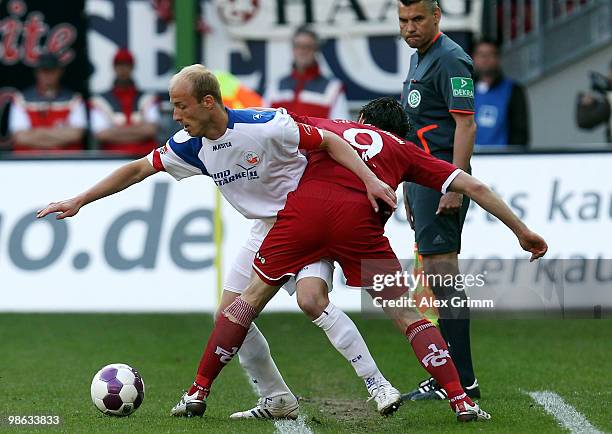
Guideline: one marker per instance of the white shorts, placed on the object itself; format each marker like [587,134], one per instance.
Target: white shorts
[239,276]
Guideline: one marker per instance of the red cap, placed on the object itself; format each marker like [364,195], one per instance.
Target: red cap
[123,55]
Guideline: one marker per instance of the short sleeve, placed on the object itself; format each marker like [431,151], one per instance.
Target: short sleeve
[179,157]
[284,132]
[456,84]
[310,137]
[429,171]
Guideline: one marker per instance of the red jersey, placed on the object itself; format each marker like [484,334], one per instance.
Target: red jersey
[32,109]
[392,159]
[308,93]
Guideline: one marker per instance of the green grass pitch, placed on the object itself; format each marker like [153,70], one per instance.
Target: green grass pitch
[47,363]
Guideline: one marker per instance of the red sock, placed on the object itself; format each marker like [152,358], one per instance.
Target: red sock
[433,354]
[223,343]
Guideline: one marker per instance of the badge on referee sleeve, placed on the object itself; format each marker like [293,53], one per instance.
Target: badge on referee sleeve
[463,87]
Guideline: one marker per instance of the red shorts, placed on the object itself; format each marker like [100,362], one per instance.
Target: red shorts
[324,220]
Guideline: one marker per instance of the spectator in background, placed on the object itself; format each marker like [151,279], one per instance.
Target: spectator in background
[306,91]
[124,119]
[502,114]
[594,107]
[47,117]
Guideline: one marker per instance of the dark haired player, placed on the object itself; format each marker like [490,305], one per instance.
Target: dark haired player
[329,216]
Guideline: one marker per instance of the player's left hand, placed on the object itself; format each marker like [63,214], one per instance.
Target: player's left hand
[533,243]
[450,203]
[379,190]
[65,208]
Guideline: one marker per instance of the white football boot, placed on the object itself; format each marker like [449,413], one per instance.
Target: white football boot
[283,406]
[190,405]
[468,413]
[388,399]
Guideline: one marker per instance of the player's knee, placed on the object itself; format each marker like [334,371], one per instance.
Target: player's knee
[313,307]
[312,296]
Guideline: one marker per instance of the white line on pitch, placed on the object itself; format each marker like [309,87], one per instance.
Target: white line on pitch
[566,415]
[285,426]
[297,426]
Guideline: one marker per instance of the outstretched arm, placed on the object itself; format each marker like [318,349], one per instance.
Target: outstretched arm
[491,202]
[120,179]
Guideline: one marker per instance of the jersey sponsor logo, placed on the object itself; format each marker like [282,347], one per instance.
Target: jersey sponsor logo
[257,116]
[251,157]
[226,176]
[222,146]
[436,358]
[463,87]
[226,356]
[414,98]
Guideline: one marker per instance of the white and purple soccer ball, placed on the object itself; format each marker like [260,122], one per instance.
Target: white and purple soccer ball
[117,390]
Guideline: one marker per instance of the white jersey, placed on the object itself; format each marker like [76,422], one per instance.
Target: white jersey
[255,164]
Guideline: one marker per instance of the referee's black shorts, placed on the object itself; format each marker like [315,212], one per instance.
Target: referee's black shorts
[435,234]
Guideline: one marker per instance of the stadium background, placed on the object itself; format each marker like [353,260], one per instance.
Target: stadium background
[152,249]
[149,252]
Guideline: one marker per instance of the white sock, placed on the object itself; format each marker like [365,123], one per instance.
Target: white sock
[255,358]
[344,336]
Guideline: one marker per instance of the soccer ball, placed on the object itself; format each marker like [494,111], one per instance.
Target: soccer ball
[117,390]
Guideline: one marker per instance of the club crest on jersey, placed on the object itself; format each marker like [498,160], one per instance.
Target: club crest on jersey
[414,98]
[251,157]
[163,150]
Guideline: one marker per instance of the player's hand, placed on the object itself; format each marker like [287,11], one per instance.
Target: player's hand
[533,243]
[65,208]
[450,203]
[379,190]
[409,215]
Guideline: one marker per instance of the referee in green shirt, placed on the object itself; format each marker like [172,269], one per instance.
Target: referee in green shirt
[438,96]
